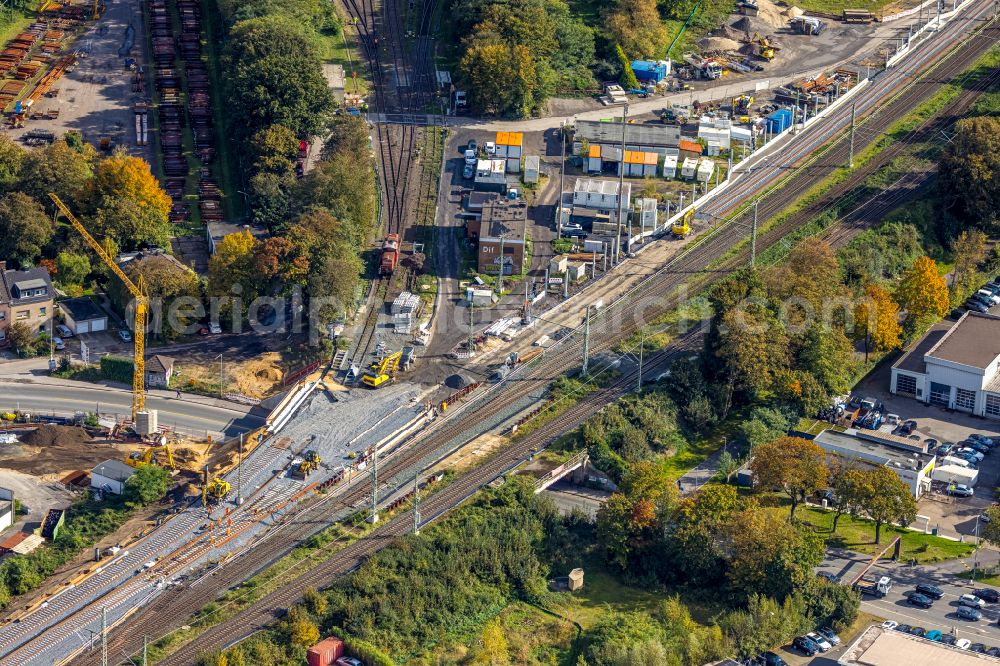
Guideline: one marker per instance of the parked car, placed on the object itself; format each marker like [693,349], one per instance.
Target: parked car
[917,599]
[960,490]
[469,171]
[988,594]
[993,652]
[985,517]
[473,146]
[967,613]
[805,645]
[918,632]
[977,306]
[125,335]
[972,452]
[976,437]
[976,446]
[945,449]
[491,148]
[64,331]
[470,157]
[933,635]
[971,600]
[905,628]
[963,643]
[928,590]
[819,640]
[58,343]
[771,659]
[889,625]
[948,639]
[829,634]
[978,648]
[348,661]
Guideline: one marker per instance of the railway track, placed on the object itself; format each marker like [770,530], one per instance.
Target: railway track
[619,321]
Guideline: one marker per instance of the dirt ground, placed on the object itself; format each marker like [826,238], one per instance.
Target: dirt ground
[472,453]
[53,451]
[255,378]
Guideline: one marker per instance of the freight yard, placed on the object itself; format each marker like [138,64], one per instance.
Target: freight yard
[508,255]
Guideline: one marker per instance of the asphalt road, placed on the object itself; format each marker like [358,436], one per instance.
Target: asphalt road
[941,616]
[190,416]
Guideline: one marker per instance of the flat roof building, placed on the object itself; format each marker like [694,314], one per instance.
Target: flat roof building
[654,138]
[110,476]
[904,457]
[878,647]
[955,366]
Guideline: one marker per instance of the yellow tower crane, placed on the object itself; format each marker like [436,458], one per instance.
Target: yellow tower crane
[138,292]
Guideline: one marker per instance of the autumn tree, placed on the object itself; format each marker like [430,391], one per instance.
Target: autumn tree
[810,274]
[315,602]
[495,647]
[127,204]
[231,271]
[302,631]
[886,499]
[796,465]
[167,280]
[12,158]
[503,78]
[694,547]
[636,25]
[752,346]
[25,228]
[970,252]
[923,291]
[876,320]
[273,149]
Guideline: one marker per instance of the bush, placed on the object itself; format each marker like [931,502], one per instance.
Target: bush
[116,369]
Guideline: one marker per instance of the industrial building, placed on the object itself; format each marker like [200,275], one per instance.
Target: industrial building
[648,138]
[907,458]
[510,213]
[501,230]
[898,648]
[600,194]
[509,147]
[955,366]
[110,476]
[6,508]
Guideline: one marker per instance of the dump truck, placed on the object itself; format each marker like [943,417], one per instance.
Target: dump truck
[873,587]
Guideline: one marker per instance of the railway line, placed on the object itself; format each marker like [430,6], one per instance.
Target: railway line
[618,322]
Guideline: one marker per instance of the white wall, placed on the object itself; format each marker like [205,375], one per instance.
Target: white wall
[99,482]
[955,375]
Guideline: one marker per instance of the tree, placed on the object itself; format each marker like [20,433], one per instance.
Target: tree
[849,488]
[628,76]
[796,465]
[728,465]
[876,320]
[24,228]
[127,203]
[72,268]
[828,354]
[274,77]
[764,425]
[274,149]
[495,643]
[302,631]
[21,338]
[887,499]
[57,168]
[148,484]
[970,252]
[616,631]
[969,171]
[12,158]
[923,291]
[990,530]
[810,273]
[503,78]
[636,25]
[314,601]
[231,269]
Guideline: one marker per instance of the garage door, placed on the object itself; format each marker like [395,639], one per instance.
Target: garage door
[98,325]
[82,327]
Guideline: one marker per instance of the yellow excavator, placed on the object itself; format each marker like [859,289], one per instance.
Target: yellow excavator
[214,490]
[742,103]
[310,463]
[151,456]
[682,227]
[383,371]
[765,48]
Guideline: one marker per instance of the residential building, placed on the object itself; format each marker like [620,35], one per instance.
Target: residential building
[159,370]
[26,297]
[955,366]
[908,459]
[83,315]
[110,476]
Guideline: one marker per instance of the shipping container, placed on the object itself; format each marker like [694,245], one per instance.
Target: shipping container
[670,166]
[325,652]
[779,121]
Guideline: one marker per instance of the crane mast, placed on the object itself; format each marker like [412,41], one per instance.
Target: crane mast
[138,292]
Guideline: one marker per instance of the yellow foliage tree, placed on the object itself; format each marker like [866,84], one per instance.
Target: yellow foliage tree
[495,643]
[923,291]
[127,203]
[232,265]
[303,631]
[876,318]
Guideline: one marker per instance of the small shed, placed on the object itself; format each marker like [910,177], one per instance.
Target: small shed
[558,264]
[670,166]
[531,170]
[83,315]
[576,271]
[6,508]
[159,370]
[646,209]
[689,168]
[594,159]
[706,168]
[740,134]
[575,580]
[688,148]
[110,476]
[779,121]
[326,652]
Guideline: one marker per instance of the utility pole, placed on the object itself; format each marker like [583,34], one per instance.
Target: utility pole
[621,189]
[500,277]
[850,157]
[239,475]
[416,506]
[222,380]
[104,636]
[642,344]
[145,650]
[586,341]
[374,517]
[562,180]
[753,237]
[472,310]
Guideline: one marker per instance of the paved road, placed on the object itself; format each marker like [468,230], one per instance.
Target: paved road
[191,414]
[941,615]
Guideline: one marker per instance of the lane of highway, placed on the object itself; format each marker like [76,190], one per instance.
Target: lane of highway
[191,417]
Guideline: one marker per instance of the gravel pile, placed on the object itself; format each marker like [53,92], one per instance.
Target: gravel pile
[718,44]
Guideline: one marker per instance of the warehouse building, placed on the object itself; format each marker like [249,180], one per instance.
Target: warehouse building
[955,366]
[906,458]
[649,138]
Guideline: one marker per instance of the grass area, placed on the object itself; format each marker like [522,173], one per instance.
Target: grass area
[341,48]
[814,426]
[985,575]
[12,22]
[858,535]
[710,15]
[837,6]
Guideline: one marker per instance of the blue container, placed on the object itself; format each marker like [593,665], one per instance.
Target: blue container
[779,121]
[649,70]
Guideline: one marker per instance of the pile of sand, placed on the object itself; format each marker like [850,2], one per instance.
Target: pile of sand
[771,14]
[730,32]
[259,377]
[56,435]
[793,12]
[718,44]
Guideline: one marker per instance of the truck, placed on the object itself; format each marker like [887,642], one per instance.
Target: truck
[808,25]
[704,68]
[875,588]
[390,254]
[870,415]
